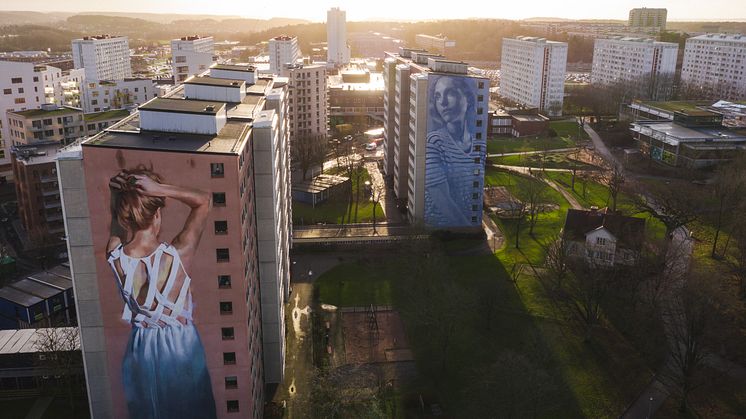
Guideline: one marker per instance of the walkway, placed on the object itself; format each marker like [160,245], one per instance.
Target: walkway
[519,153]
[600,146]
[530,171]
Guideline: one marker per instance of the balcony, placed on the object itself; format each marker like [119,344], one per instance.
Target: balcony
[48,179]
[51,205]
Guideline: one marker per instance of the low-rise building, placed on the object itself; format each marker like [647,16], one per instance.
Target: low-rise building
[356,97]
[104,95]
[50,123]
[603,238]
[517,123]
[42,299]
[435,43]
[685,134]
[99,121]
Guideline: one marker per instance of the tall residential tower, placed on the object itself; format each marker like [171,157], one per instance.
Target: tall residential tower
[104,57]
[338,51]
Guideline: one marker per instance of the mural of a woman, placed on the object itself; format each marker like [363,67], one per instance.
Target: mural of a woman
[452,153]
[164,369]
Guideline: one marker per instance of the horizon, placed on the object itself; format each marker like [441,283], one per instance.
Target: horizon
[678,11]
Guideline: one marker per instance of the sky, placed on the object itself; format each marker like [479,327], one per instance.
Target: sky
[315,10]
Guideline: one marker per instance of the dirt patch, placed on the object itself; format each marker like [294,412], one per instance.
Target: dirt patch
[374,336]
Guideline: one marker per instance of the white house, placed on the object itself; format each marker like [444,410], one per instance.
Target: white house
[604,238]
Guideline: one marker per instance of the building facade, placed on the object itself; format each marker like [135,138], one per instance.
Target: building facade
[647,20]
[338,51]
[438,43]
[533,73]
[104,57]
[440,163]
[228,163]
[191,55]
[635,60]
[283,50]
[42,299]
[23,88]
[356,98]
[61,125]
[103,95]
[603,238]
[716,63]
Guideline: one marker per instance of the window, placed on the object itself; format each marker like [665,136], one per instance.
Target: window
[480,98]
[601,241]
[224,281]
[479,122]
[20,100]
[479,136]
[480,111]
[223,255]
[36,78]
[217,169]
[229,358]
[16,80]
[7,91]
[231,382]
[475,207]
[475,184]
[473,219]
[232,406]
[477,160]
[480,85]
[475,196]
[221,227]
[477,148]
[227,333]
[20,90]
[226,307]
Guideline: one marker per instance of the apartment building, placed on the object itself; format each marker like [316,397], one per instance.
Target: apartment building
[61,125]
[647,64]
[103,95]
[338,51]
[533,73]
[434,43]
[98,121]
[356,98]
[230,161]
[440,162]
[647,20]
[104,57]
[716,63]
[37,191]
[22,88]
[307,105]
[283,50]
[191,55]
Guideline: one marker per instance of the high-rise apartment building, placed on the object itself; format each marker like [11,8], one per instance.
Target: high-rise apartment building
[647,20]
[532,73]
[21,87]
[307,110]
[191,55]
[441,160]
[104,57]
[283,50]
[209,178]
[646,63]
[338,51]
[716,63]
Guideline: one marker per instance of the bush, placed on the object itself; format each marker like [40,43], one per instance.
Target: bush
[552,133]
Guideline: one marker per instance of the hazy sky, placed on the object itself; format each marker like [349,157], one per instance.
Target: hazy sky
[400,9]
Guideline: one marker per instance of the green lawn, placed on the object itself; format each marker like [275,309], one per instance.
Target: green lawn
[567,132]
[354,284]
[335,209]
[552,160]
[568,128]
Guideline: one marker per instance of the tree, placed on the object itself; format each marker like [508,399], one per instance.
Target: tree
[307,152]
[557,262]
[737,260]
[533,195]
[674,207]
[60,357]
[377,191]
[614,180]
[687,318]
[729,185]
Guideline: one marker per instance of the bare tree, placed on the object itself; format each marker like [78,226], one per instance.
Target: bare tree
[729,185]
[59,355]
[308,151]
[533,195]
[614,179]
[737,260]
[674,207]
[377,191]
[557,262]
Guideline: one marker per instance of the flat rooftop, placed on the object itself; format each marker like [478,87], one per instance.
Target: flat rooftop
[106,115]
[691,108]
[211,81]
[235,67]
[36,113]
[529,118]
[681,133]
[201,107]
[24,340]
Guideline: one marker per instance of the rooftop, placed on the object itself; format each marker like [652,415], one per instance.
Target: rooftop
[692,108]
[35,113]
[100,37]
[234,67]
[37,287]
[106,115]
[629,231]
[676,133]
[724,37]
[202,107]
[24,340]
[211,81]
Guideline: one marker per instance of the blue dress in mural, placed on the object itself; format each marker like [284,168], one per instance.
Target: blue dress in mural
[164,369]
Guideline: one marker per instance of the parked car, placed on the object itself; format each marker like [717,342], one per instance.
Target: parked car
[371,146]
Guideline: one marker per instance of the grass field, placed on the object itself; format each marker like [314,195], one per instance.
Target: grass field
[335,209]
[552,160]
[567,133]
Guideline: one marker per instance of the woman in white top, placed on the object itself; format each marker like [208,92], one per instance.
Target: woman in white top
[164,370]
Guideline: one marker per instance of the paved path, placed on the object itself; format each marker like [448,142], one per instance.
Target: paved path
[525,171]
[600,146]
[518,153]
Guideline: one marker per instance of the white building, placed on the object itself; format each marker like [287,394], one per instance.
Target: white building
[621,59]
[716,63]
[435,43]
[21,87]
[191,55]
[338,52]
[533,73]
[71,84]
[282,50]
[104,57]
[103,95]
[307,110]
[647,20]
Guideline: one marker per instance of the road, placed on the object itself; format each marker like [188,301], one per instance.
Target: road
[600,146]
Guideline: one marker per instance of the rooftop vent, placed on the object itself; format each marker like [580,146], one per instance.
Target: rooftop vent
[210,108]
